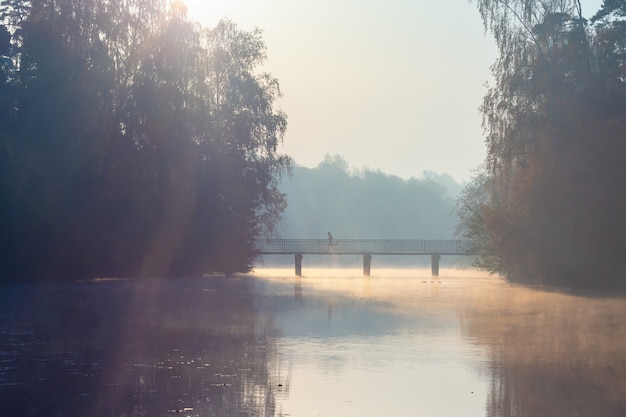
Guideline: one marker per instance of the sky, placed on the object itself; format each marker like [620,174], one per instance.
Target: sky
[393,85]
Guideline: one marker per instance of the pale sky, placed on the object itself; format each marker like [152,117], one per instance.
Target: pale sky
[393,85]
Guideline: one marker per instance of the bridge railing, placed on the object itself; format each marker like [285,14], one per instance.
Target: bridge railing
[291,245]
[380,246]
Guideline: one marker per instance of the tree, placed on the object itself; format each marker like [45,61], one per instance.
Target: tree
[609,7]
[549,211]
[137,142]
[238,143]
[365,204]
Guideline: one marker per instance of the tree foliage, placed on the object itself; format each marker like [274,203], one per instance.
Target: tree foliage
[365,204]
[551,207]
[133,141]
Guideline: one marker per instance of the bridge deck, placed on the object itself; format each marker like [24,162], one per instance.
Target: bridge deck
[364,246]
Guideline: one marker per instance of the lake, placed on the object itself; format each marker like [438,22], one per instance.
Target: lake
[332,343]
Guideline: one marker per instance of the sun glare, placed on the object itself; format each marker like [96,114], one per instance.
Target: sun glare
[209,12]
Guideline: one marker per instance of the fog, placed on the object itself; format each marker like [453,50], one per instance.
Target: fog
[354,203]
[366,204]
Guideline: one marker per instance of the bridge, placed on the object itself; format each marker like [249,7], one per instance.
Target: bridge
[365,247]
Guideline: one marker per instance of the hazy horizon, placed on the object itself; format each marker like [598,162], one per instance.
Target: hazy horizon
[359,76]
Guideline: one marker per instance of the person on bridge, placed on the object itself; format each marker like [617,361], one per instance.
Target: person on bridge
[330,241]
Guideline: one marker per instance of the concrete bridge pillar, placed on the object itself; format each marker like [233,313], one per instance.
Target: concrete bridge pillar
[367,262]
[298,259]
[434,264]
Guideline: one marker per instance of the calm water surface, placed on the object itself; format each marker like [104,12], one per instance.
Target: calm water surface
[332,343]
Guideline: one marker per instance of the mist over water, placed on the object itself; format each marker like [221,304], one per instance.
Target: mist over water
[375,346]
[330,343]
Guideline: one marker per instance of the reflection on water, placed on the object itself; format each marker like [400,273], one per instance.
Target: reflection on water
[551,354]
[357,346]
[331,343]
[129,348]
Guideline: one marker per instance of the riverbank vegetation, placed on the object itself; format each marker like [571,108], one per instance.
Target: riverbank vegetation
[133,141]
[548,205]
[366,204]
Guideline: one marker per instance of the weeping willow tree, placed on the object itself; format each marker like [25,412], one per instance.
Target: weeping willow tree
[133,141]
[547,205]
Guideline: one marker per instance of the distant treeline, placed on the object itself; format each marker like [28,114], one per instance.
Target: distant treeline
[366,204]
[133,141]
[549,206]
